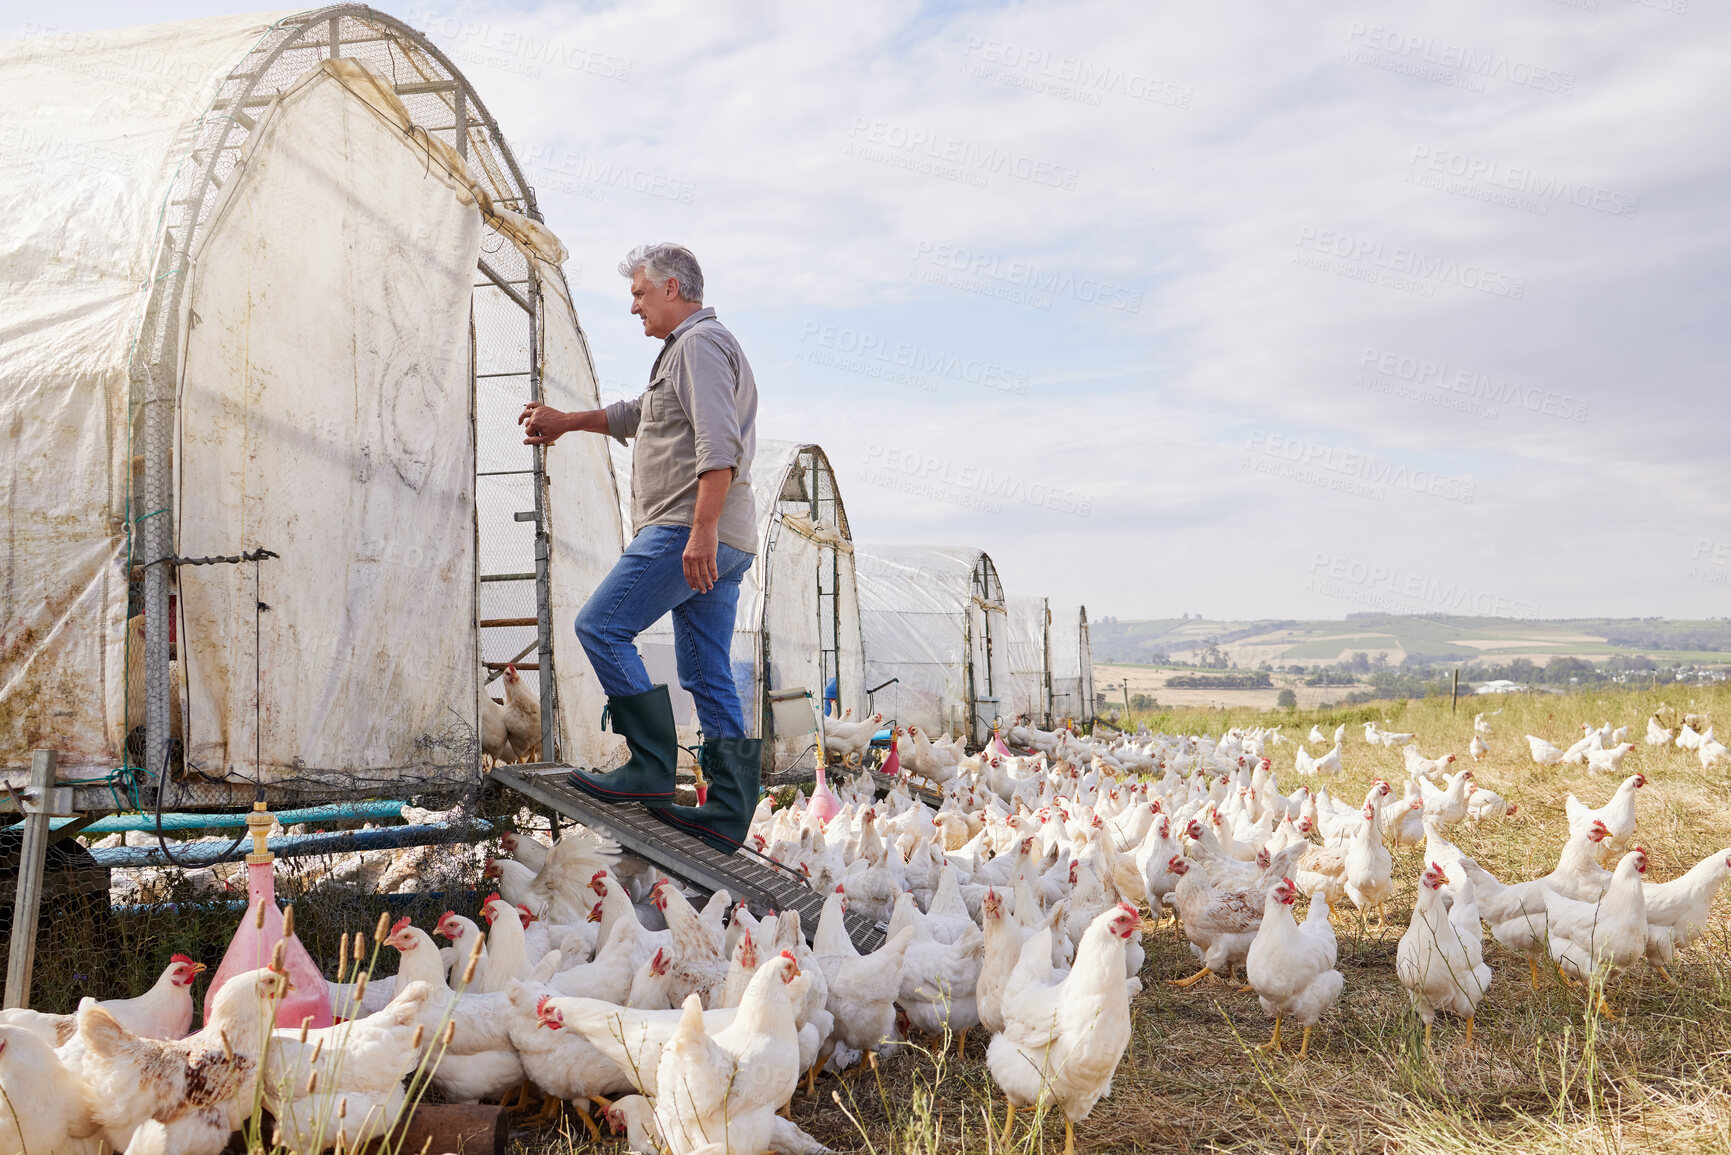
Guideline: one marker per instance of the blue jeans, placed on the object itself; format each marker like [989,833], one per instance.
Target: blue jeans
[648,581]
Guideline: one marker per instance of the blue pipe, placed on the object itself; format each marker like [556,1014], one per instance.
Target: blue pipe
[337,812]
[208,851]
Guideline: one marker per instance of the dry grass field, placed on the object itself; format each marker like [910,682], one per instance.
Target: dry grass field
[1543,1074]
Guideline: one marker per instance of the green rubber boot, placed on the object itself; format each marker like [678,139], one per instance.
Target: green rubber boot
[734,767]
[646,723]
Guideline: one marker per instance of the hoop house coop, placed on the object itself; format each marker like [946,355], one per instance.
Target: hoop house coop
[1028,626]
[936,637]
[280,286]
[1072,657]
[798,622]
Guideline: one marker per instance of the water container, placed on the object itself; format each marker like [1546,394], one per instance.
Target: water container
[253,944]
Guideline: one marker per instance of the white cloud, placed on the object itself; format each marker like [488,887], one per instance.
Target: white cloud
[1211,149]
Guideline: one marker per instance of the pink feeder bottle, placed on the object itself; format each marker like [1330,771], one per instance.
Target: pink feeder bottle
[310,1000]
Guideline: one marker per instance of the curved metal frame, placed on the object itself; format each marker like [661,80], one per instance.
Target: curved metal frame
[811,460]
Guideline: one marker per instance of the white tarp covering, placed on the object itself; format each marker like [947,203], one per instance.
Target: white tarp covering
[586,532]
[925,618]
[798,600]
[326,399]
[1030,671]
[94,127]
[324,414]
[1072,665]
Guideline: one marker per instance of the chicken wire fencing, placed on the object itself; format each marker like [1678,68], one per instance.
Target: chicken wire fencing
[115,910]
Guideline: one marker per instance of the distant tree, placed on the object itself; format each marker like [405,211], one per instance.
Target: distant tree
[1360,662]
[1287,700]
[1143,702]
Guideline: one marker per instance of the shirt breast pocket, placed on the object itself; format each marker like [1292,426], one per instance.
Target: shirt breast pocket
[655,400]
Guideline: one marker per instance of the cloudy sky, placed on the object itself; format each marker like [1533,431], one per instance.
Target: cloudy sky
[1233,309]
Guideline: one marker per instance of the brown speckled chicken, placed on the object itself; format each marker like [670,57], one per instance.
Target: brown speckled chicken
[192,1092]
[1220,924]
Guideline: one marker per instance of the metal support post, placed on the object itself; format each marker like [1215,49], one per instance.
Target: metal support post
[32,859]
[543,537]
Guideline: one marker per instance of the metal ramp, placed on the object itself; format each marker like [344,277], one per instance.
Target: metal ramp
[764,884]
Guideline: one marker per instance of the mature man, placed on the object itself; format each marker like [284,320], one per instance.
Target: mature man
[695,534]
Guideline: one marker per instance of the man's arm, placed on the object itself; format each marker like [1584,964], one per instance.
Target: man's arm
[543,425]
[701,573]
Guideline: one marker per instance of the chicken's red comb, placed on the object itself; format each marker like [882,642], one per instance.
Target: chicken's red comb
[399,924]
[541,1004]
[492,898]
[510,668]
[446,915]
[839,889]
[180,958]
[788,955]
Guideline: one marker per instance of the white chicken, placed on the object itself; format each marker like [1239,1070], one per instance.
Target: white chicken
[723,1089]
[1369,881]
[1608,760]
[1606,937]
[55,1116]
[1617,815]
[1544,753]
[1677,911]
[847,742]
[1440,957]
[862,988]
[522,716]
[358,1091]
[162,1012]
[495,729]
[1063,1038]
[938,979]
[1292,965]
[1220,924]
[195,1090]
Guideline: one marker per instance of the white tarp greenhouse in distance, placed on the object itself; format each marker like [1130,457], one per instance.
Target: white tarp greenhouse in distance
[1027,626]
[273,281]
[933,619]
[798,624]
[1072,665]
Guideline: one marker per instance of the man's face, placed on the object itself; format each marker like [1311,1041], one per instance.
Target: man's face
[660,306]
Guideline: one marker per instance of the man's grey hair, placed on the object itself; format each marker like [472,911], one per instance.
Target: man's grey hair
[664,261]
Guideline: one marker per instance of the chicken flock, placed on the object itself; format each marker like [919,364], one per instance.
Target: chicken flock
[1012,884]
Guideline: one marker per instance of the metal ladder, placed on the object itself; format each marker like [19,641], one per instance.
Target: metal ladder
[762,883]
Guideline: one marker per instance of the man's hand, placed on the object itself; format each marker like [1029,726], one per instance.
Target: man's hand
[700,571]
[542,424]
